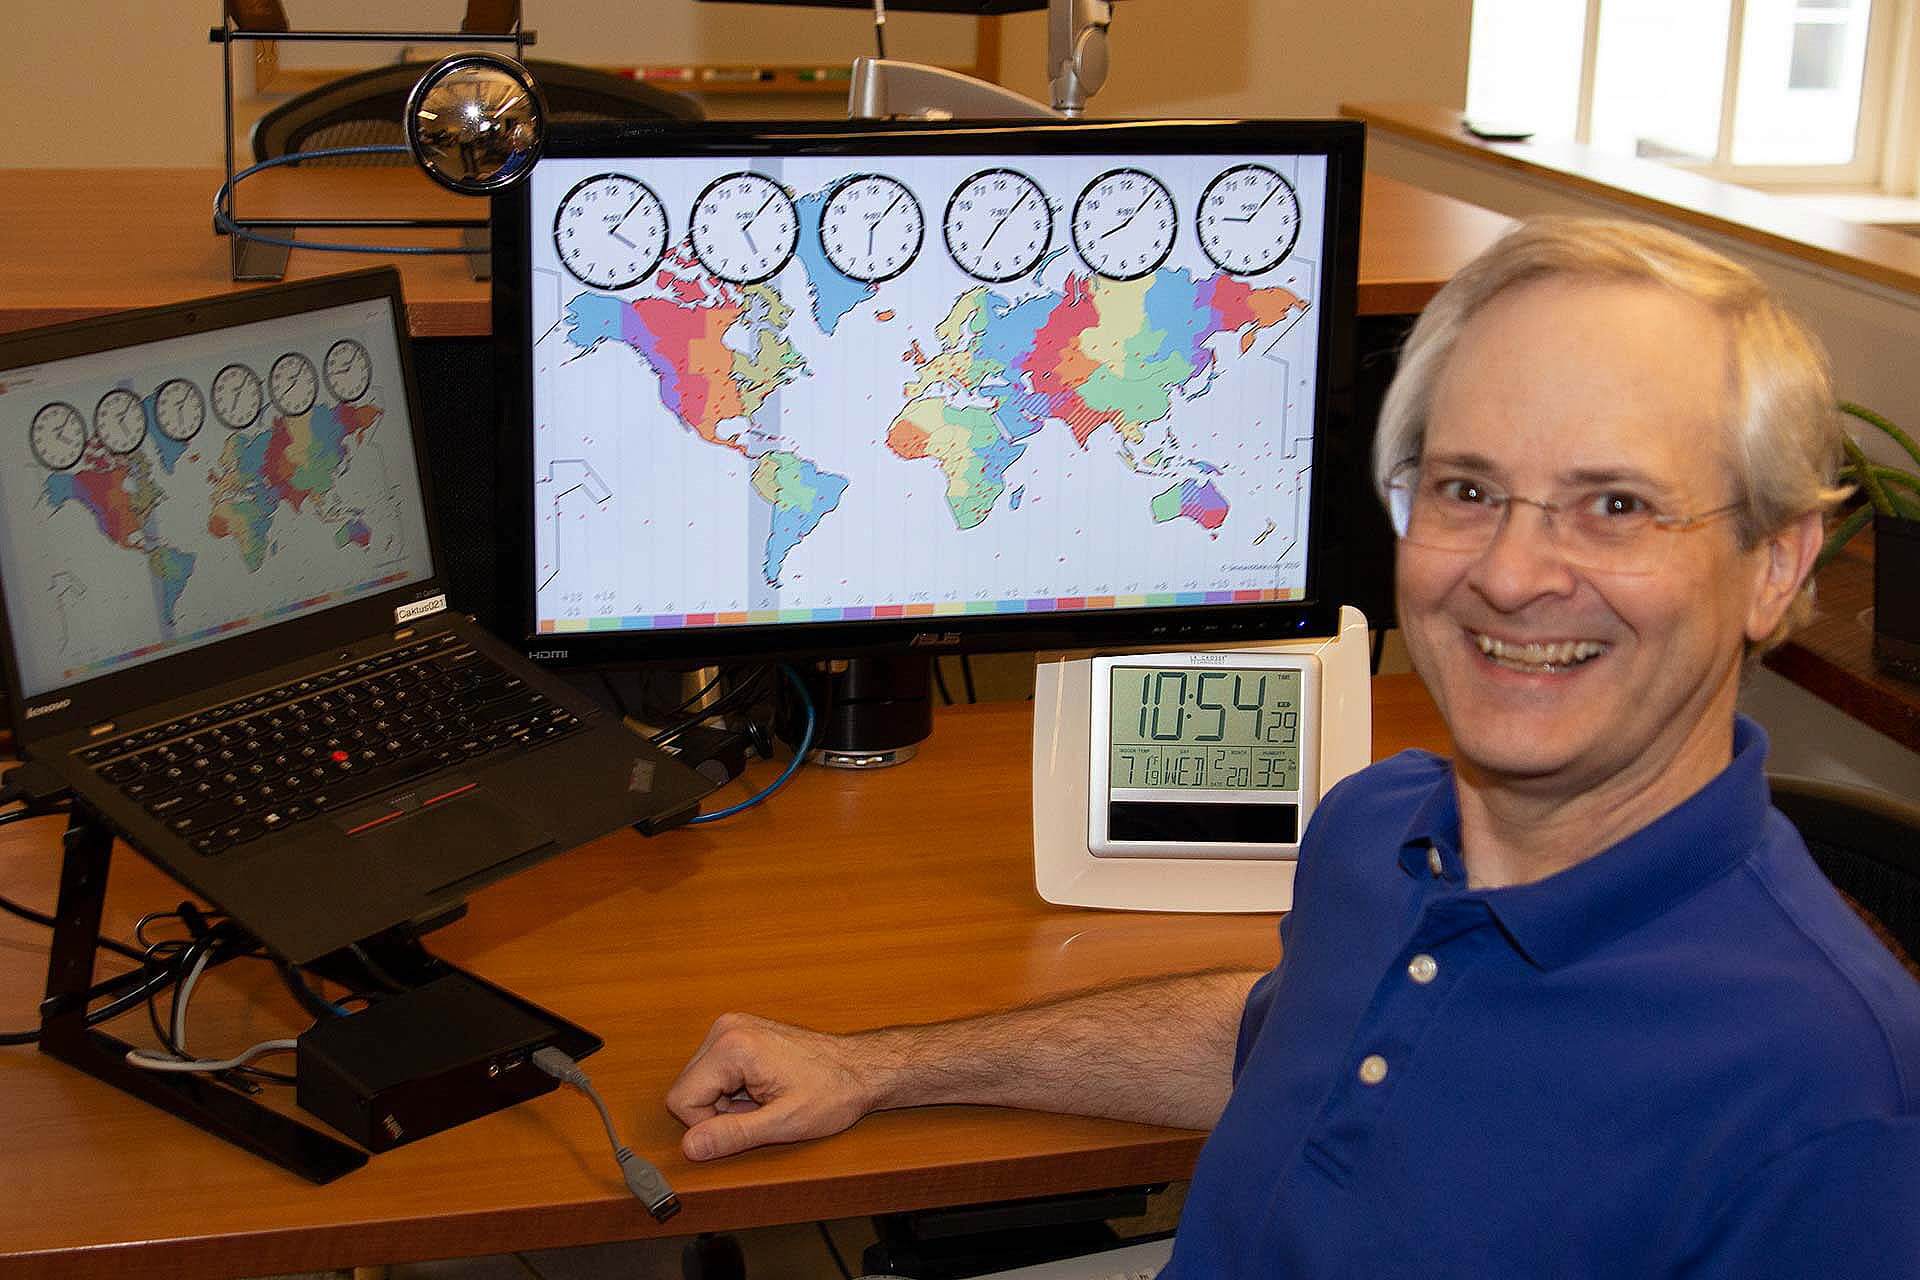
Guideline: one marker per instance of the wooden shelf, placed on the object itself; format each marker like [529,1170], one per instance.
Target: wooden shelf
[1832,656]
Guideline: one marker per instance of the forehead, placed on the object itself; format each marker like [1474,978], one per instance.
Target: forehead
[1559,376]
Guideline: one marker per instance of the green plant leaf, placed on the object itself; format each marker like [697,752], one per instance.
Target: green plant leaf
[1893,432]
[1863,470]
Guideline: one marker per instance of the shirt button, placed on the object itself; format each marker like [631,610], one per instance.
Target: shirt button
[1423,968]
[1373,1069]
[1433,859]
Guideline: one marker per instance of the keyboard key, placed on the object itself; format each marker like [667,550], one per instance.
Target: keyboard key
[192,822]
[238,831]
[143,789]
[168,805]
[122,771]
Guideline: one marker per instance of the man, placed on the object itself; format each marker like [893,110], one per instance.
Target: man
[1577,1003]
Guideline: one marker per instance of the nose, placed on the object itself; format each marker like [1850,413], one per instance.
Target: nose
[1524,562]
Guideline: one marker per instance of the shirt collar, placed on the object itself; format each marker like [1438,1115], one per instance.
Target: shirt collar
[1432,847]
[1558,920]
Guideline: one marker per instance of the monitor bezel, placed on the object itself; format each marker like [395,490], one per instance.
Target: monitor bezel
[1315,614]
[118,693]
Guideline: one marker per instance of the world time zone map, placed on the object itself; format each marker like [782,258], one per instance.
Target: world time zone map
[797,389]
[159,497]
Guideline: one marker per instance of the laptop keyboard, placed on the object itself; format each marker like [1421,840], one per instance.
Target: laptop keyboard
[263,763]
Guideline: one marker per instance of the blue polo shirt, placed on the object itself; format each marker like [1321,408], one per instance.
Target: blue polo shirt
[1682,1057]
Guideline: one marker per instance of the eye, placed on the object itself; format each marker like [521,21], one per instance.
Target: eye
[1617,504]
[1463,490]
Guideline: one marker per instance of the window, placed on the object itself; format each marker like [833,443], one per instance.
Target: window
[1756,91]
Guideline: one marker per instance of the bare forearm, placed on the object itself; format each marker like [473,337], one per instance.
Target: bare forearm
[1159,1052]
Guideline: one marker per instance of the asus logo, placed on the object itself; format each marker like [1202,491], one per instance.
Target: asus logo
[540,655]
[934,639]
[48,708]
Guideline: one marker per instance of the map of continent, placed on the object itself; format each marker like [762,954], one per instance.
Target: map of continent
[294,464]
[1099,353]
[718,351]
[834,293]
[121,494]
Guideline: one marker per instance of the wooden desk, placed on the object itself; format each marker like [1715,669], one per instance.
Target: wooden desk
[849,901]
[78,242]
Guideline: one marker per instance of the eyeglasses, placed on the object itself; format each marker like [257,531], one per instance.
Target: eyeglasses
[1608,528]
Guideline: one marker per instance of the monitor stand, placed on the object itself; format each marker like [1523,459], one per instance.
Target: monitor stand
[869,713]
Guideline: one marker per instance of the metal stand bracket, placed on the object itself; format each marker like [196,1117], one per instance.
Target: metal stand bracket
[195,1098]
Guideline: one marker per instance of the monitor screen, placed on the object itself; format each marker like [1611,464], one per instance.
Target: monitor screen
[159,496]
[837,388]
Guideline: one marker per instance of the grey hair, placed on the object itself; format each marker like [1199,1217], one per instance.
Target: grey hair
[1785,446]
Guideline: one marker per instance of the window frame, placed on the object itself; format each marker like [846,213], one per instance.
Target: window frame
[1886,126]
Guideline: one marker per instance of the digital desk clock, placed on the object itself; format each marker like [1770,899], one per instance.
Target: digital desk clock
[1203,751]
[1184,781]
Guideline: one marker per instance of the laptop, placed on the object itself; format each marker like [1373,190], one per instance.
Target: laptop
[226,626]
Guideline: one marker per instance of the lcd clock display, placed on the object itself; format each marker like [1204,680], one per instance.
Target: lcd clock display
[1179,729]
[1203,755]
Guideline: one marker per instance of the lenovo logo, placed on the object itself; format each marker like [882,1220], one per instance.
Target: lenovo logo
[48,708]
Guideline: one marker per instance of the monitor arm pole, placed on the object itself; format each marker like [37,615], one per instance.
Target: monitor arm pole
[887,89]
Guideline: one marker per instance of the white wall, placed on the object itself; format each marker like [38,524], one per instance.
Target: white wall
[135,82]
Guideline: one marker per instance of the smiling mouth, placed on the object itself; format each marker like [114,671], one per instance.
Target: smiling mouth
[1539,657]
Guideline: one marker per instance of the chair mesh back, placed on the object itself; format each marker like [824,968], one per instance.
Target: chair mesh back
[1868,844]
[1892,895]
[355,133]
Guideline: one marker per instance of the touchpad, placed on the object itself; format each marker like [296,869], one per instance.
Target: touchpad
[454,839]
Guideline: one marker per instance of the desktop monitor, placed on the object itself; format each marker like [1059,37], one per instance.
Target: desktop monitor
[849,390]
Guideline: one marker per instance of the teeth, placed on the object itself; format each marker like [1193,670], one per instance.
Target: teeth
[1536,654]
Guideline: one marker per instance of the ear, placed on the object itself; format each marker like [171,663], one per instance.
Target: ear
[1783,561]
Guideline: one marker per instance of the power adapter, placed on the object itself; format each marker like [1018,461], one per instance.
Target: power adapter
[421,1061]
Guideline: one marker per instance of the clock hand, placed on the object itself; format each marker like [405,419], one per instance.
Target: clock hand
[1003,220]
[746,225]
[1271,191]
[623,240]
[874,226]
[1124,221]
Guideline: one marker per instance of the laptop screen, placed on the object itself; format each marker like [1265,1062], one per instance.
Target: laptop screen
[155,498]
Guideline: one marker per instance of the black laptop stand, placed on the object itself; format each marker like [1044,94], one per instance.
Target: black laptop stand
[202,1099]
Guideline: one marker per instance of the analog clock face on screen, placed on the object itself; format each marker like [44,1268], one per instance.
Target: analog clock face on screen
[237,396]
[58,435]
[998,225]
[871,228]
[293,384]
[1249,219]
[1124,223]
[179,410]
[120,420]
[610,231]
[745,228]
[348,370]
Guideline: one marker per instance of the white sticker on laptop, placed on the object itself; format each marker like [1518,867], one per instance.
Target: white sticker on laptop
[420,609]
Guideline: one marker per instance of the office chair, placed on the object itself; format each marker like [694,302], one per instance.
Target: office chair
[1868,844]
[366,108]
